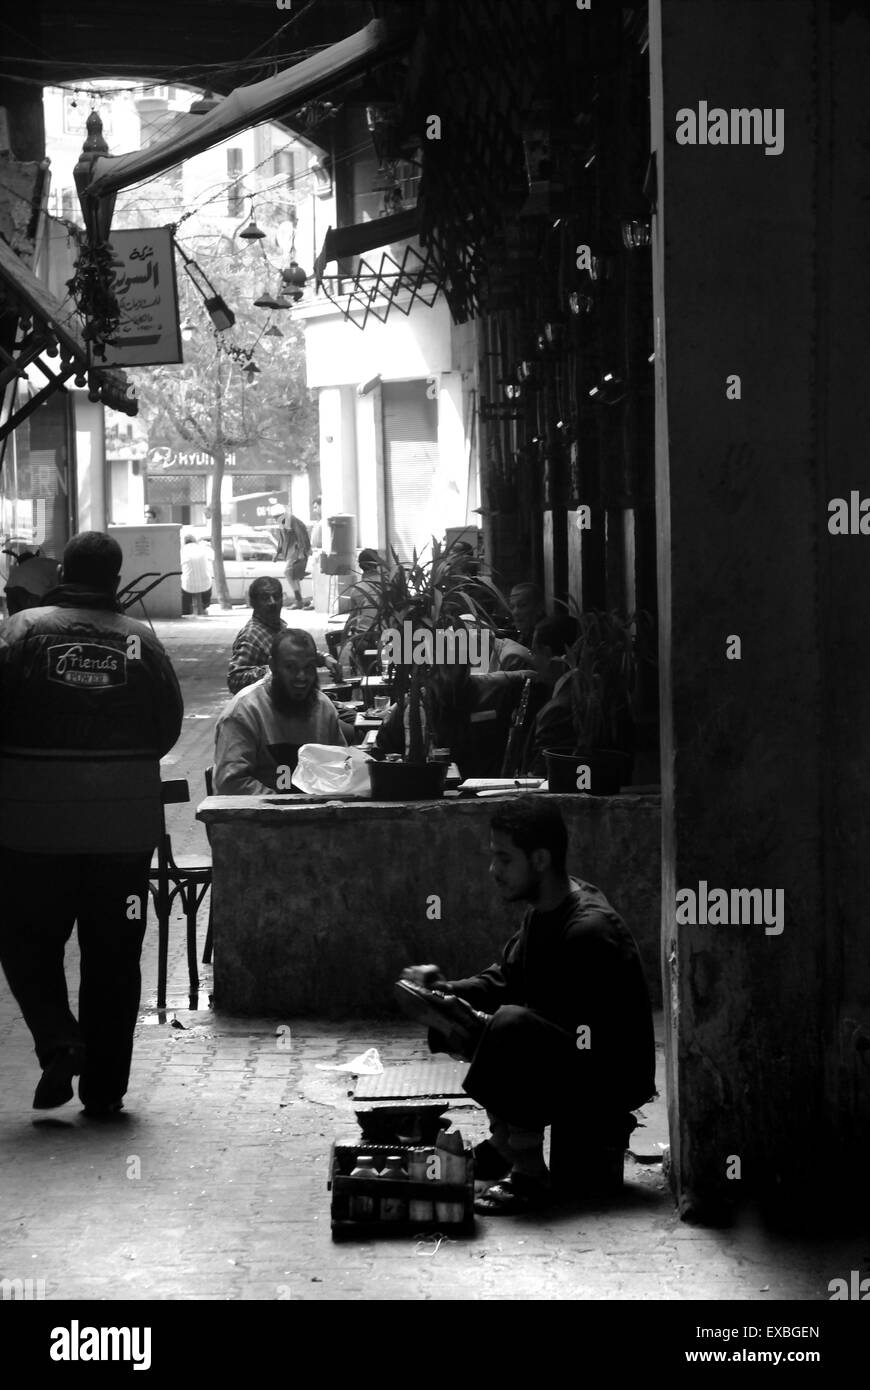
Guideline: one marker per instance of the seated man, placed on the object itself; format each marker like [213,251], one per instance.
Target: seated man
[261,730]
[527,606]
[551,720]
[470,715]
[360,629]
[562,1027]
[249,661]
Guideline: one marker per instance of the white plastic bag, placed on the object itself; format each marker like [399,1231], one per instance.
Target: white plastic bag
[325,770]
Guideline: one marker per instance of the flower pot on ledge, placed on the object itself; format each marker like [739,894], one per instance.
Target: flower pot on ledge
[609,769]
[407,781]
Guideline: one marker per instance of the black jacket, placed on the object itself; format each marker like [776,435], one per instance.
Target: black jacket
[89,703]
[577,966]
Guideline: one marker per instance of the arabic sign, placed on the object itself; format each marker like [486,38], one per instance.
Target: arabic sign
[145,286]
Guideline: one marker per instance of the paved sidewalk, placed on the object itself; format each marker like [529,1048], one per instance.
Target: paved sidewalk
[214,1186]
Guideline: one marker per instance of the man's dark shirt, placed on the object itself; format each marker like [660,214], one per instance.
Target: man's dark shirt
[579,965]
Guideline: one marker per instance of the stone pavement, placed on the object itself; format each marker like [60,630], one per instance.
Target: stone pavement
[214,1185]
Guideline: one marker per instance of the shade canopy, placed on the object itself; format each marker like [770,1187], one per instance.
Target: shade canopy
[270,99]
[341,242]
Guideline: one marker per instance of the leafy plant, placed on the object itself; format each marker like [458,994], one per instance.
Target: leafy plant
[430,594]
[604,665]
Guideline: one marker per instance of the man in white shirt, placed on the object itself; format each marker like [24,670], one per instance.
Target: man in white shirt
[196,576]
[261,730]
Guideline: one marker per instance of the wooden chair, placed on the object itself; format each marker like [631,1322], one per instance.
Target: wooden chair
[187,877]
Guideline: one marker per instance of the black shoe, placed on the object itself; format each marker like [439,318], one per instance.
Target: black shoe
[103,1110]
[460,1024]
[55,1085]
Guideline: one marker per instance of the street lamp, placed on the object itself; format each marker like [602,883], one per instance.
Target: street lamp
[219,312]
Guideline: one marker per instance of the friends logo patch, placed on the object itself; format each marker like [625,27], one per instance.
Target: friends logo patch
[87,665]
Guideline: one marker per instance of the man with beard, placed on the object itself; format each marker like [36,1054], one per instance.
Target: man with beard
[560,1028]
[261,730]
[252,648]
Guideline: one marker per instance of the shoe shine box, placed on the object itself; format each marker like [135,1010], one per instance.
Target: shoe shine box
[435,1194]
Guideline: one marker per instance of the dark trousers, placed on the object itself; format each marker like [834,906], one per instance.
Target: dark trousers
[44,896]
[195,603]
[530,1073]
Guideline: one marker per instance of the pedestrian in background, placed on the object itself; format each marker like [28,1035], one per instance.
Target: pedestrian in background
[316,524]
[197,574]
[295,551]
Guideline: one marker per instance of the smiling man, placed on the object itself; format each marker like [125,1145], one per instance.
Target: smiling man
[263,727]
[561,1027]
[252,649]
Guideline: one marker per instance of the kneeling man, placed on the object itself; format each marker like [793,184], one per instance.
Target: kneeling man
[261,730]
[562,1027]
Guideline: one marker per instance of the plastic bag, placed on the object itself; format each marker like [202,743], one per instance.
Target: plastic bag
[368,1063]
[326,770]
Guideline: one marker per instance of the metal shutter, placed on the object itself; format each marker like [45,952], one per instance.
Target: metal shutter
[410,463]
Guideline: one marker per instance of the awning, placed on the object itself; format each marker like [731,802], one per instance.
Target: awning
[261,101]
[341,242]
[54,347]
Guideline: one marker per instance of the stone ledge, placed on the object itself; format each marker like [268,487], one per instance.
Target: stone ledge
[318,905]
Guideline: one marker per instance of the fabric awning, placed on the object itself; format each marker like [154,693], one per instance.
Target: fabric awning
[341,242]
[54,346]
[261,101]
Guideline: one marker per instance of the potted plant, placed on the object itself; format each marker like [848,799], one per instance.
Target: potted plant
[601,685]
[407,605]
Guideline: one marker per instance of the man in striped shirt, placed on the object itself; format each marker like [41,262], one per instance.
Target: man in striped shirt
[252,649]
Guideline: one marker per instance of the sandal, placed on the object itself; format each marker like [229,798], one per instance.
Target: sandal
[514,1196]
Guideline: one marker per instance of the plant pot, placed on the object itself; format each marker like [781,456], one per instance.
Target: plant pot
[407,781]
[609,769]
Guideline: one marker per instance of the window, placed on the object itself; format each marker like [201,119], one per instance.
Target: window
[284,166]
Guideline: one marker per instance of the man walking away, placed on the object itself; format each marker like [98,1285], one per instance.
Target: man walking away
[196,576]
[89,703]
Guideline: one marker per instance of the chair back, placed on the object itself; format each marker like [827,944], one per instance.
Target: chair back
[174,791]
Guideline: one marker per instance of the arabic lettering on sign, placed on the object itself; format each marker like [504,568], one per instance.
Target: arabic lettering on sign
[144,283]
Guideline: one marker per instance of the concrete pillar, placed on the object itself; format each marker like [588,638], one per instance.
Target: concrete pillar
[90,422]
[337,452]
[761,272]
